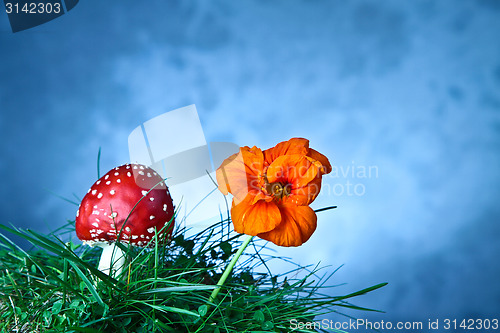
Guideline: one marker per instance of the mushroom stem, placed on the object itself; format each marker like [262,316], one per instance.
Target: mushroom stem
[112,258]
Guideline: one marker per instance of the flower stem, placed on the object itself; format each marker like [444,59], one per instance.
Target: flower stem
[229,268]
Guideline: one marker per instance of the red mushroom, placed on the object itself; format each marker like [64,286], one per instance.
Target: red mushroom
[131,202]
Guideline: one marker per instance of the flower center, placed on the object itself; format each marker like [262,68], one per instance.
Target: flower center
[279,190]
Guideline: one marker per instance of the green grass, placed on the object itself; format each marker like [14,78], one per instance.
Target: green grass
[56,287]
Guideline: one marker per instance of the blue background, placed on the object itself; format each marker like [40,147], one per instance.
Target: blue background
[410,88]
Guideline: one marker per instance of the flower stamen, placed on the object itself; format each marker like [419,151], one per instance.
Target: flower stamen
[279,190]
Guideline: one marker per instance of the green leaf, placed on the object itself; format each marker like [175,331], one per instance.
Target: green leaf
[267,325]
[125,322]
[179,240]
[167,309]
[180,288]
[362,292]
[47,316]
[202,310]
[188,246]
[99,163]
[85,330]
[89,285]
[56,307]
[226,247]
[258,316]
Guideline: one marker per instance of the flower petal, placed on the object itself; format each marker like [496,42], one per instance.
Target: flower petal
[327,168]
[253,219]
[303,196]
[297,170]
[297,225]
[293,146]
[241,173]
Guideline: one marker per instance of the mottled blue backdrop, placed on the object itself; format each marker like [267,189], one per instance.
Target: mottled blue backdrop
[407,89]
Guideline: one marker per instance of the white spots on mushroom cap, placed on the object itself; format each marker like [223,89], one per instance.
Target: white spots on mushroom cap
[139,243]
[119,175]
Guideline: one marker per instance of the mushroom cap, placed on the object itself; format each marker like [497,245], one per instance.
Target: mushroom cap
[132,199]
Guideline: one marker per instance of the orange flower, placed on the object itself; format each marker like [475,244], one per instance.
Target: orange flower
[272,190]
